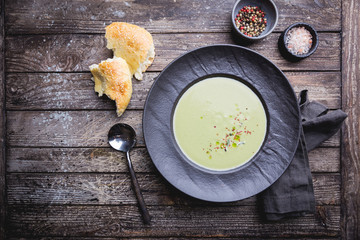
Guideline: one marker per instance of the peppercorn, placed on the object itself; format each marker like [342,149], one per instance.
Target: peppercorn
[251,21]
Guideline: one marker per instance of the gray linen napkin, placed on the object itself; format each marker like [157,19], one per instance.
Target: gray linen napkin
[292,194]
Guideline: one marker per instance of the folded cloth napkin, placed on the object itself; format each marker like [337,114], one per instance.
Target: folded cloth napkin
[293,194]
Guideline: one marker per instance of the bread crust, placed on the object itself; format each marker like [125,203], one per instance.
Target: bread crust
[113,77]
[132,43]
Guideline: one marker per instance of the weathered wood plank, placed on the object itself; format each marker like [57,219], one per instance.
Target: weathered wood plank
[67,128]
[48,160]
[350,162]
[45,91]
[2,127]
[74,91]
[73,53]
[169,238]
[323,87]
[105,189]
[77,128]
[156,16]
[324,160]
[184,221]
[107,160]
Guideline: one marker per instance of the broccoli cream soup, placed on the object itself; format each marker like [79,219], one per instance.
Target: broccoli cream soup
[219,123]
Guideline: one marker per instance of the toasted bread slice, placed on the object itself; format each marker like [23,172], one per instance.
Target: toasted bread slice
[113,77]
[132,43]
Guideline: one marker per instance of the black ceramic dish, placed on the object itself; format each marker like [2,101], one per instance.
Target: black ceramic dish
[292,57]
[270,9]
[283,123]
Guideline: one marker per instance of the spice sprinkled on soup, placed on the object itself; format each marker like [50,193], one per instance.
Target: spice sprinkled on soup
[219,123]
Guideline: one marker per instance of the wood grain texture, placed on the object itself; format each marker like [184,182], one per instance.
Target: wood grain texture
[183,221]
[65,182]
[156,16]
[165,238]
[77,128]
[107,160]
[3,202]
[75,91]
[76,52]
[67,128]
[350,162]
[115,188]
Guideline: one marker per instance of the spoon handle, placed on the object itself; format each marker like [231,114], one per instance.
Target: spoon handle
[144,211]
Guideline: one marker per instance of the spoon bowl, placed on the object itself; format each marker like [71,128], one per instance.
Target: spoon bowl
[122,137]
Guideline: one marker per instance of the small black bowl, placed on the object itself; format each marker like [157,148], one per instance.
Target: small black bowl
[271,15]
[285,51]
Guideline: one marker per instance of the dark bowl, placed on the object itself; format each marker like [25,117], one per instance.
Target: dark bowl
[271,15]
[285,51]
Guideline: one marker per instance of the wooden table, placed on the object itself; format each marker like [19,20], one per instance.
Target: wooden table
[60,178]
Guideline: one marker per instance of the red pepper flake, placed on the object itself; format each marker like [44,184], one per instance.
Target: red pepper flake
[233,135]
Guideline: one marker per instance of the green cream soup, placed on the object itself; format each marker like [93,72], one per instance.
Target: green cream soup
[219,123]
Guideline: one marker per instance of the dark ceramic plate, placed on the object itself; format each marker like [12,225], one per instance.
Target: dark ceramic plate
[283,123]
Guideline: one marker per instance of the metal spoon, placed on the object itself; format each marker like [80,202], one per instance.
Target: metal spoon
[122,137]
